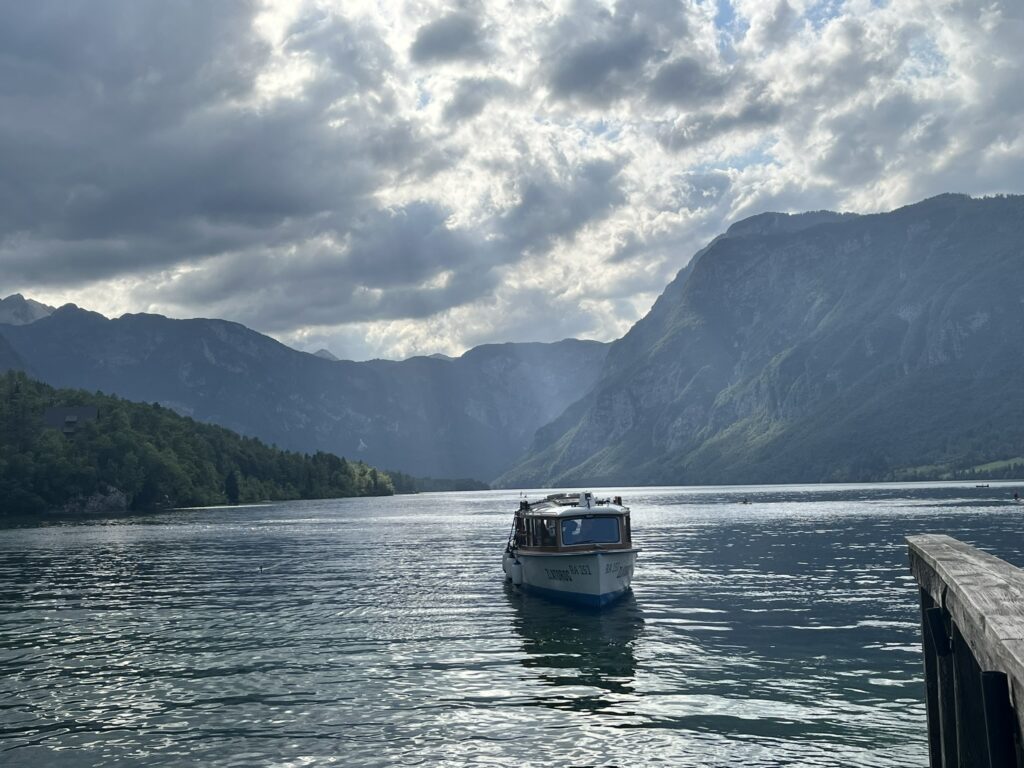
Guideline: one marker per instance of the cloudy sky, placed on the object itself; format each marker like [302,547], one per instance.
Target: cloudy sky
[391,178]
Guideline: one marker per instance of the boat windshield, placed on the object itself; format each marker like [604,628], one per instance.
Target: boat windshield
[590,530]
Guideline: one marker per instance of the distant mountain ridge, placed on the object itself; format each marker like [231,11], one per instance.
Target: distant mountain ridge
[815,347]
[17,310]
[792,348]
[466,417]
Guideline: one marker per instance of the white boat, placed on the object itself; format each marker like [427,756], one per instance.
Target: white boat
[572,547]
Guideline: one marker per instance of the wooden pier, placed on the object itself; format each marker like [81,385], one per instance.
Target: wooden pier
[972,626]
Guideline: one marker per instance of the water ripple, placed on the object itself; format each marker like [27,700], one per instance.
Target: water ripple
[380,632]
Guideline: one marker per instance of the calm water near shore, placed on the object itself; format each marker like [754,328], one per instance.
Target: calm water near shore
[380,632]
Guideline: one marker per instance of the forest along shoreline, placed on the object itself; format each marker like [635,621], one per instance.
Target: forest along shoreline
[71,452]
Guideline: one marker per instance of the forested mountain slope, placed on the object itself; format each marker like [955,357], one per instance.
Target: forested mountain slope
[139,456]
[814,347]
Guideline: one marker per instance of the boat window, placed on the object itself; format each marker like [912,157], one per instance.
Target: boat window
[541,532]
[547,532]
[590,530]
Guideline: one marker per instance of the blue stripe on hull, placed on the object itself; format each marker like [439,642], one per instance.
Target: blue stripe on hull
[576,598]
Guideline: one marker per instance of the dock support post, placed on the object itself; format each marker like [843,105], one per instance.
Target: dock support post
[995,691]
[970,714]
[945,690]
[931,685]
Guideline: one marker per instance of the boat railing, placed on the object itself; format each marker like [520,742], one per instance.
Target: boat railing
[573,500]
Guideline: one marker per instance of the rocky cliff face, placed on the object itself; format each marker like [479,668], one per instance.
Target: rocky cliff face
[810,348]
[465,417]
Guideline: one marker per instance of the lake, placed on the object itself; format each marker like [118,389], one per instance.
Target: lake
[380,632]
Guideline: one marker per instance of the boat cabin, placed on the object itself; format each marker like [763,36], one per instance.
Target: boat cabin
[572,523]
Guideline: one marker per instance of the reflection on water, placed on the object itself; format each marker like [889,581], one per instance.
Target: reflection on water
[380,632]
[576,647]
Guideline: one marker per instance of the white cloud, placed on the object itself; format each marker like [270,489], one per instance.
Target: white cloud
[401,178]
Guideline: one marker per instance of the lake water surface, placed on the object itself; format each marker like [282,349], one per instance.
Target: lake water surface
[380,632]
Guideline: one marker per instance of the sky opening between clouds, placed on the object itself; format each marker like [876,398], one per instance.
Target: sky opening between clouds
[387,179]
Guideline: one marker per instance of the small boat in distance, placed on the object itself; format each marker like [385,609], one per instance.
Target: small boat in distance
[572,547]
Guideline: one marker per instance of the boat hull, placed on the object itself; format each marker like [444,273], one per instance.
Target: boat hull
[584,578]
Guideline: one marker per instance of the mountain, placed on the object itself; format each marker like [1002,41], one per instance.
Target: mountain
[326,354]
[9,359]
[17,310]
[467,417]
[814,347]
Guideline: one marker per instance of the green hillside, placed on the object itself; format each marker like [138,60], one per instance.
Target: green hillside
[151,457]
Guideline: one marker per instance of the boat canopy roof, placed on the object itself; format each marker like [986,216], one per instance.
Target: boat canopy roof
[573,505]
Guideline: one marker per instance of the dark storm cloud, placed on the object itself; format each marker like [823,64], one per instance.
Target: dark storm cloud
[402,263]
[686,82]
[133,142]
[127,146]
[193,191]
[145,61]
[400,151]
[280,180]
[472,96]
[872,134]
[293,299]
[405,247]
[83,86]
[457,36]
[703,127]
[550,209]
[597,56]
[381,249]
[399,263]
[600,71]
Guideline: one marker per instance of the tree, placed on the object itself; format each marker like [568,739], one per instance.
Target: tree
[231,487]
